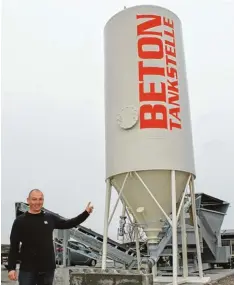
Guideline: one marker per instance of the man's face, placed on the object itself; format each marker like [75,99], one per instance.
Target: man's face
[35,201]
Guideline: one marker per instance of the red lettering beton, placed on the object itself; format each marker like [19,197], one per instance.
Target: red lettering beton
[156,43]
[147,114]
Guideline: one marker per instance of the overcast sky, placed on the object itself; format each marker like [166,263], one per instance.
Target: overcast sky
[53,101]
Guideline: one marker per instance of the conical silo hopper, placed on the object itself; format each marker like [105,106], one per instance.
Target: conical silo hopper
[148,126]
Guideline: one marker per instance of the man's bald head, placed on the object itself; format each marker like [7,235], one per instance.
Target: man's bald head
[32,192]
[35,200]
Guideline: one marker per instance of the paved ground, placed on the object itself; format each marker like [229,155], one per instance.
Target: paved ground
[218,273]
[4,279]
[215,274]
[226,281]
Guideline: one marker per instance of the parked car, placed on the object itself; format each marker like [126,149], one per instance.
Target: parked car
[79,254]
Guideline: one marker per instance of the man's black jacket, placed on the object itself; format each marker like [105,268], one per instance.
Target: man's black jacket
[35,233]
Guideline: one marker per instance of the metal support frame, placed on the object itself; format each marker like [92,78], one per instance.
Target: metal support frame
[117,202]
[131,222]
[185,279]
[65,244]
[105,234]
[107,211]
[137,245]
[129,217]
[172,221]
[199,259]
[184,243]
[183,197]
[174,227]
[123,208]
[152,196]
[122,222]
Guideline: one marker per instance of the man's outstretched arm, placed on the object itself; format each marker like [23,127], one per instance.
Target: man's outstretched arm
[70,223]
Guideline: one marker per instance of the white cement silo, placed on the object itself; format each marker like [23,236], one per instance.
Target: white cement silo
[149,149]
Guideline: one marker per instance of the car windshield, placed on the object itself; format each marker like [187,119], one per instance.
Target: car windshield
[77,246]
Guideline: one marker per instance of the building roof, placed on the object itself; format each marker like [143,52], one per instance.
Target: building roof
[228,232]
[210,198]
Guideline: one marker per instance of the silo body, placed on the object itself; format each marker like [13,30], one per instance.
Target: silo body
[148,126]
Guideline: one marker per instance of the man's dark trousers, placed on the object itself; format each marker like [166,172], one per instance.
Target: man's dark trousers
[36,278]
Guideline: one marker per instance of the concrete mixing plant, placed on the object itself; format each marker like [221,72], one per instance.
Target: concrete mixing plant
[149,149]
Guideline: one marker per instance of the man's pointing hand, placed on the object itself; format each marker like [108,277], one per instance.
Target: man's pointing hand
[89,208]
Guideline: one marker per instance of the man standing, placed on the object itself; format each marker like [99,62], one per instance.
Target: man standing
[34,230]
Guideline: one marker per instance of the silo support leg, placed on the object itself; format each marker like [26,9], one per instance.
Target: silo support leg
[105,234]
[199,259]
[184,243]
[174,227]
[65,250]
[137,245]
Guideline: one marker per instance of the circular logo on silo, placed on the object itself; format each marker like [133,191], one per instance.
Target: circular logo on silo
[128,117]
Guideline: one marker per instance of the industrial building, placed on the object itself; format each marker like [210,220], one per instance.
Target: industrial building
[227,238]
